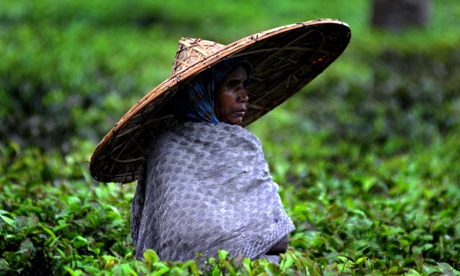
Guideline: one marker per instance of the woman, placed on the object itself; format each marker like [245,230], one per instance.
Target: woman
[205,185]
[203,182]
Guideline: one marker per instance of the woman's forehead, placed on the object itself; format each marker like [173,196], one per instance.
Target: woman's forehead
[238,72]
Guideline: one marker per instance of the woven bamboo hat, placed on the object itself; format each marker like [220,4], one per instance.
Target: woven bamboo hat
[283,59]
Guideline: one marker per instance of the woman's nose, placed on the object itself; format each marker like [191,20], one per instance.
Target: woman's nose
[243,96]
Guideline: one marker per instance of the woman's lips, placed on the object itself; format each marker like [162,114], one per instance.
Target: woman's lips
[240,113]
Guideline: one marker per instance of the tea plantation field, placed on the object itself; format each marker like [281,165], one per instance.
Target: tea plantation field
[366,155]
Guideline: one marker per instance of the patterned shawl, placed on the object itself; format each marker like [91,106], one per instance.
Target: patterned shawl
[203,188]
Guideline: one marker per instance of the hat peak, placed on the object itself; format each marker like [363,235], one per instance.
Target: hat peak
[192,51]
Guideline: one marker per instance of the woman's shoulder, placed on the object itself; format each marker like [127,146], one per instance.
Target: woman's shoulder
[204,133]
[199,128]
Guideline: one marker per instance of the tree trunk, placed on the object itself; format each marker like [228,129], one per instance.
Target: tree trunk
[400,14]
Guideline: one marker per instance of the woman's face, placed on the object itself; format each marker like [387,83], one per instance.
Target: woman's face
[231,97]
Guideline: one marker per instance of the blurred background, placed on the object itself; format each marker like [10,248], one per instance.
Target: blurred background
[366,155]
[70,69]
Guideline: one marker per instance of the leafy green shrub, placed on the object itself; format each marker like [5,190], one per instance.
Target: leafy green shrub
[64,82]
[365,213]
[51,218]
[368,172]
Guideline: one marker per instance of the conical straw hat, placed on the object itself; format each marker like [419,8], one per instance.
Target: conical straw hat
[283,59]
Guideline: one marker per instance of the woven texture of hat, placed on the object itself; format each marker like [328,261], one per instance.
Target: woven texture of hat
[191,51]
[283,59]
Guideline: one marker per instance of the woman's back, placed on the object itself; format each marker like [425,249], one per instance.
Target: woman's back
[207,187]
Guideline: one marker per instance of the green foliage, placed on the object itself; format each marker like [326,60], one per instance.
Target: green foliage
[366,156]
[51,218]
[355,202]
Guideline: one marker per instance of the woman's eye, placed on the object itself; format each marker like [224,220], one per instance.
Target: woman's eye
[232,84]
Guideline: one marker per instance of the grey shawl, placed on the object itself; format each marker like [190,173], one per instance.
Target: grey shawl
[203,188]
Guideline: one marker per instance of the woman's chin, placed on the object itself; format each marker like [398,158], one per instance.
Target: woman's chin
[236,121]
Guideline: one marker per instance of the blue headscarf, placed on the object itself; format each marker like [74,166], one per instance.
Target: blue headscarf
[197,104]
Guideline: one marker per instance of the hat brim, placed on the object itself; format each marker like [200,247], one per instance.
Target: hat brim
[283,59]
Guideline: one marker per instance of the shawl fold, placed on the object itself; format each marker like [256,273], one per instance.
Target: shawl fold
[203,188]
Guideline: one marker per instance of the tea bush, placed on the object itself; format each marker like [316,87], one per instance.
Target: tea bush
[365,155]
